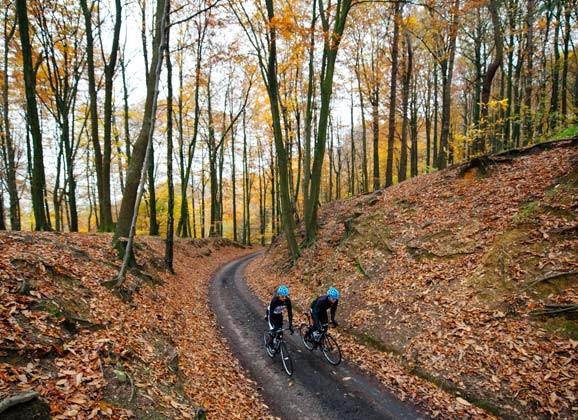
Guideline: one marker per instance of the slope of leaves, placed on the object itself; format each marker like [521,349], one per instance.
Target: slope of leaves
[154,352]
[446,276]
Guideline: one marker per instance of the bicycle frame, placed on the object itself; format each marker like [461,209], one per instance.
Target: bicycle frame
[325,342]
[278,345]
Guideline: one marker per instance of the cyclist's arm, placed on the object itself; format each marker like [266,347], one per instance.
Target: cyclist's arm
[290,312]
[333,310]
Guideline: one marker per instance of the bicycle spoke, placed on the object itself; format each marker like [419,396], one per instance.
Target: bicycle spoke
[331,350]
[286,359]
[303,331]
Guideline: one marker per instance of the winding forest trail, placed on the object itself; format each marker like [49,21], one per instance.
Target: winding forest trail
[316,389]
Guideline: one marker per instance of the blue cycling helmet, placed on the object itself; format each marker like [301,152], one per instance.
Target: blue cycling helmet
[333,293]
[283,291]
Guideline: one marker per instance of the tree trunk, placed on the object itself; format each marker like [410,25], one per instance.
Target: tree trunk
[55,192]
[402,174]
[2,216]
[553,122]
[447,65]
[413,129]
[262,197]
[374,100]
[109,71]
[9,149]
[352,182]
[169,245]
[93,101]
[508,125]
[330,50]
[481,144]
[309,111]
[393,93]
[363,127]
[273,92]
[246,195]
[194,228]
[529,54]
[427,117]
[125,109]
[153,224]
[183,223]
[129,205]
[567,31]
[38,182]
[435,118]
[274,200]
[328,196]
[203,185]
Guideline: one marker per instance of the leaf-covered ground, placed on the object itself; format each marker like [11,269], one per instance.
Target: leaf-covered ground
[154,352]
[445,281]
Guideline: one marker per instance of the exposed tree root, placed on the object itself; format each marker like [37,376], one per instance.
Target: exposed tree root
[16,399]
[551,276]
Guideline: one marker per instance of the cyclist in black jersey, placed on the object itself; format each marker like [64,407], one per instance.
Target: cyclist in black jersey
[319,309]
[279,303]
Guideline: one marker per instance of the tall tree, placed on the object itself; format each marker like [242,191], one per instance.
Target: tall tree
[8,146]
[397,13]
[528,76]
[38,182]
[567,31]
[481,140]
[267,55]
[446,60]
[332,40]
[169,244]
[186,163]
[402,174]
[102,155]
[63,63]
[141,149]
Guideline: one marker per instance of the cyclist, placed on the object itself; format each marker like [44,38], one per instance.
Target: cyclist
[319,309]
[279,303]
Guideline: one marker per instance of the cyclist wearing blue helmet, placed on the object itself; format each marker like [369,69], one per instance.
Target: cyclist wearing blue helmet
[320,306]
[279,303]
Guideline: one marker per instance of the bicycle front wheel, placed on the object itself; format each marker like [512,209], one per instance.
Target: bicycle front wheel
[303,330]
[269,350]
[286,358]
[331,350]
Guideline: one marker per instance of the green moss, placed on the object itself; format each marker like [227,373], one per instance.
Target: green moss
[527,212]
[568,132]
[49,306]
[561,326]
[360,267]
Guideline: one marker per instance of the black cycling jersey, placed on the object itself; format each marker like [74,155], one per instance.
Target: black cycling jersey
[275,312]
[319,309]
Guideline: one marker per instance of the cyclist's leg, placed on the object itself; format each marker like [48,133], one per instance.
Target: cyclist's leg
[323,320]
[275,323]
[318,319]
[315,320]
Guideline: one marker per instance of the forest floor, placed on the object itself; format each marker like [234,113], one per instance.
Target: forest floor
[459,287]
[152,351]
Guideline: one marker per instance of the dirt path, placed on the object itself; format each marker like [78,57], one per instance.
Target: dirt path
[316,390]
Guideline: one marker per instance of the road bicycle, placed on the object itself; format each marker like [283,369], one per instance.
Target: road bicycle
[324,341]
[278,345]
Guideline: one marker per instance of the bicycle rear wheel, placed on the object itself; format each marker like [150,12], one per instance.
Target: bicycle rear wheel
[303,330]
[286,358]
[269,350]
[331,350]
